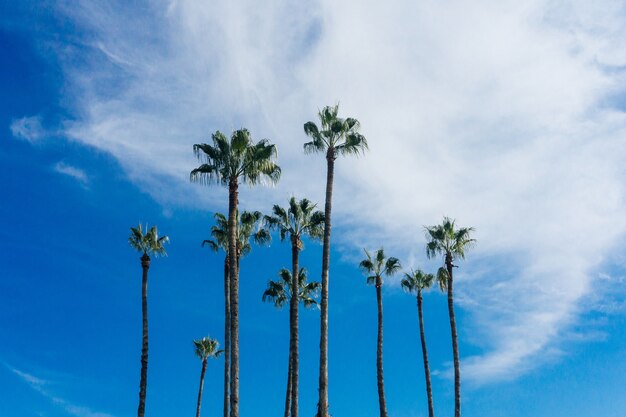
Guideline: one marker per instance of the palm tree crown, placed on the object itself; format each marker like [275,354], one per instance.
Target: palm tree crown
[336,135]
[445,239]
[416,281]
[249,227]
[148,243]
[239,157]
[279,292]
[207,348]
[298,220]
[378,265]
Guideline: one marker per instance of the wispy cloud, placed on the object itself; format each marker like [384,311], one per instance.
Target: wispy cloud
[28,129]
[42,386]
[505,115]
[71,171]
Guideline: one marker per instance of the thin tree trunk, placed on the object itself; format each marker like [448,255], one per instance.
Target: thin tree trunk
[322,405]
[429,391]
[288,396]
[379,351]
[234,297]
[293,318]
[455,345]
[145,265]
[226,336]
[201,387]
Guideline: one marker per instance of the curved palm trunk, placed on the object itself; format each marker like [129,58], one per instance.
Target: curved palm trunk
[322,405]
[379,351]
[204,361]
[145,265]
[226,336]
[429,391]
[455,345]
[234,297]
[293,319]
[288,396]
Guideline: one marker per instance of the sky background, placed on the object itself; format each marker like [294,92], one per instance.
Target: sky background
[508,116]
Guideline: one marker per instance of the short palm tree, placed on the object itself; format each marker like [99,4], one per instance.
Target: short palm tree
[227,162]
[279,292]
[205,348]
[248,227]
[416,282]
[300,219]
[375,267]
[451,242]
[148,243]
[334,137]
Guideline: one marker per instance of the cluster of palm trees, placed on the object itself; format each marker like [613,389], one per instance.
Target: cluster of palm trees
[239,160]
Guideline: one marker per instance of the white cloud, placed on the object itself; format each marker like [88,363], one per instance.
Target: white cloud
[73,172]
[28,129]
[505,115]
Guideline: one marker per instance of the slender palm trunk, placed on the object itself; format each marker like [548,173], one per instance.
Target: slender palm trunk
[288,396]
[293,319]
[145,265]
[455,345]
[429,391]
[379,351]
[204,361]
[322,405]
[226,336]
[234,297]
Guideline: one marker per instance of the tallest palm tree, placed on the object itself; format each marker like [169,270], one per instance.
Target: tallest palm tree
[334,137]
[451,242]
[227,162]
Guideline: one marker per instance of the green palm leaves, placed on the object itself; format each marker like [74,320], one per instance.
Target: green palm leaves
[206,348]
[298,220]
[249,228]
[279,291]
[416,281]
[378,265]
[446,239]
[238,157]
[335,135]
[148,243]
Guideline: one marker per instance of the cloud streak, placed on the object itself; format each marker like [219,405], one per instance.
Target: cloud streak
[504,115]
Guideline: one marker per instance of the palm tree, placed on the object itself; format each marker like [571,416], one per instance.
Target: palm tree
[205,348]
[375,267]
[279,292]
[248,227]
[228,162]
[299,220]
[335,137]
[148,244]
[415,282]
[451,242]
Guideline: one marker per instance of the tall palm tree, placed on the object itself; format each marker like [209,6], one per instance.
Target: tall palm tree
[279,292]
[148,244]
[375,267]
[249,227]
[298,220]
[415,282]
[228,162]
[205,348]
[451,242]
[335,137]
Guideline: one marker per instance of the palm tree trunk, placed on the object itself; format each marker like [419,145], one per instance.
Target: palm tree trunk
[379,351]
[455,345]
[293,316]
[145,265]
[234,297]
[288,396]
[429,391]
[322,405]
[226,336]
[201,387]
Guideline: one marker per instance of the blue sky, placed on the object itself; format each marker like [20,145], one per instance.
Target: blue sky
[507,117]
